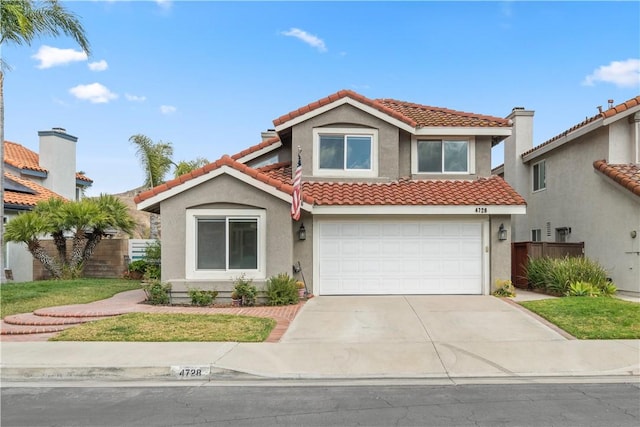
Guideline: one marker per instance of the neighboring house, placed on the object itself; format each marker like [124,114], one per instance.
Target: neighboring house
[582,186]
[30,177]
[397,198]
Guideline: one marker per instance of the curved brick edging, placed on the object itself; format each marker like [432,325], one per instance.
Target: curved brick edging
[43,323]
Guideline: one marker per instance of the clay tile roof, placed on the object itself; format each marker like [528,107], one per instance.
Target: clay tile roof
[414,115]
[425,116]
[628,176]
[21,157]
[27,200]
[280,183]
[257,147]
[484,191]
[604,115]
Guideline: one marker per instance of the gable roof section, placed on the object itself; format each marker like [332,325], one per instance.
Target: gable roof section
[406,115]
[600,119]
[25,200]
[23,158]
[149,200]
[257,150]
[628,176]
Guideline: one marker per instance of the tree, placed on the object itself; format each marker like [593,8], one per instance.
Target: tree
[186,166]
[156,162]
[86,220]
[21,22]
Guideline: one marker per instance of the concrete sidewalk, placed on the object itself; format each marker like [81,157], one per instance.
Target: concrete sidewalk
[449,338]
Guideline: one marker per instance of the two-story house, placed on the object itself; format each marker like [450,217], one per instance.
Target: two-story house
[31,177]
[582,185]
[397,198]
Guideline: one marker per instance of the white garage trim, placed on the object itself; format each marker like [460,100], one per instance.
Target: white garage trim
[400,256]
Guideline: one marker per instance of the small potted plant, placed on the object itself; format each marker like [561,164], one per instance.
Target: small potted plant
[301,289]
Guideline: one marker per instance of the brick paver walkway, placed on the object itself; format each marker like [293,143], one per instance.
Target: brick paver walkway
[46,322]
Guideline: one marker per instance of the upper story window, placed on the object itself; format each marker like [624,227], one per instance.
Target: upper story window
[345,152]
[453,156]
[539,176]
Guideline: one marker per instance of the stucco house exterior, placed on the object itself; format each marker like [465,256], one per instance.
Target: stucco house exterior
[397,198]
[31,177]
[582,185]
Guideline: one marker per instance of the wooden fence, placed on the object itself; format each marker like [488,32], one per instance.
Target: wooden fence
[522,251]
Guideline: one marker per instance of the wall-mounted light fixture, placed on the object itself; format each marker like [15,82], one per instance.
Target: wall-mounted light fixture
[302,233]
[502,232]
[633,234]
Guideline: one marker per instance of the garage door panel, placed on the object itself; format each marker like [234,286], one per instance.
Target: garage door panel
[396,257]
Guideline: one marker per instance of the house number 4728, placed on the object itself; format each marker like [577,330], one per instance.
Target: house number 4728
[481,210]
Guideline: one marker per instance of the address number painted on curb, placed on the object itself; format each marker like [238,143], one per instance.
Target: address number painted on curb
[185,372]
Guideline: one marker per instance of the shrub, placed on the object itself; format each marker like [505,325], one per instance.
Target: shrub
[157,292]
[152,257]
[282,290]
[608,289]
[555,275]
[138,266]
[202,298]
[245,290]
[582,289]
[504,288]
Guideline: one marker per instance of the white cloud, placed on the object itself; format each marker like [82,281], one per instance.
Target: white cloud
[135,98]
[98,65]
[94,93]
[52,56]
[167,109]
[310,39]
[620,73]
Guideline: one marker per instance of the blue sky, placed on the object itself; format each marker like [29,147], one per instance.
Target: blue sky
[210,76]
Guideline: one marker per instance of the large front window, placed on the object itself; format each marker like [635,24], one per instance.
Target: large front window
[345,152]
[227,244]
[443,156]
[223,243]
[539,176]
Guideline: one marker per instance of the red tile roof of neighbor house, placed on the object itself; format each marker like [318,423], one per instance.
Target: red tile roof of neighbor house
[604,115]
[21,157]
[414,115]
[628,176]
[27,200]
[483,191]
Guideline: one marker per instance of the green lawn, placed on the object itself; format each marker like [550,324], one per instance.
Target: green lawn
[591,318]
[29,296]
[144,327]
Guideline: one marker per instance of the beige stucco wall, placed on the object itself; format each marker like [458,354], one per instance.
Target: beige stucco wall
[500,264]
[223,192]
[601,214]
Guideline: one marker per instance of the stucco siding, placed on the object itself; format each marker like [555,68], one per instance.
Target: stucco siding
[347,116]
[223,192]
[598,214]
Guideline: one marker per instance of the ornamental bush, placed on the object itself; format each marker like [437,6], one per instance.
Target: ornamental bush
[282,290]
[555,275]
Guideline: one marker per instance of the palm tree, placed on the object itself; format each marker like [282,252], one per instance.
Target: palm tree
[156,162]
[184,166]
[21,22]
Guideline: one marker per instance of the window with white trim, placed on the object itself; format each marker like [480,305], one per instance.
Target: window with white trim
[345,152]
[223,242]
[539,176]
[536,235]
[442,156]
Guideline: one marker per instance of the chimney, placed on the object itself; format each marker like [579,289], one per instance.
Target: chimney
[268,134]
[58,156]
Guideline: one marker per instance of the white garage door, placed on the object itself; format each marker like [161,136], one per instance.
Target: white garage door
[399,257]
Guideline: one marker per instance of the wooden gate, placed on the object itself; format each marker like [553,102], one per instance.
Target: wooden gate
[522,251]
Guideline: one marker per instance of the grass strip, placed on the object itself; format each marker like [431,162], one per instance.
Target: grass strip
[591,318]
[144,327]
[26,297]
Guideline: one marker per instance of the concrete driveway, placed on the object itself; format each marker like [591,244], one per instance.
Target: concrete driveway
[413,319]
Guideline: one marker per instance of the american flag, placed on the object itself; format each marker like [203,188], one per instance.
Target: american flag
[296,200]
